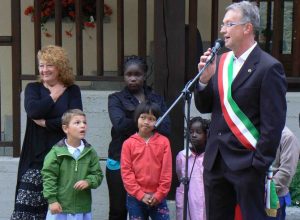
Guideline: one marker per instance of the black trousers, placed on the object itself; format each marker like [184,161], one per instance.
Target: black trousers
[117,195]
[225,188]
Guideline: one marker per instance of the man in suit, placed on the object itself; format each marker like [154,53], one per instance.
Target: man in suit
[245,92]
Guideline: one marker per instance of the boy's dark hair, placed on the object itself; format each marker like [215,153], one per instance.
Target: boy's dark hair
[68,115]
[133,59]
[204,123]
[146,107]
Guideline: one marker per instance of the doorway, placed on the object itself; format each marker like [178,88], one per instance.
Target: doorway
[279,34]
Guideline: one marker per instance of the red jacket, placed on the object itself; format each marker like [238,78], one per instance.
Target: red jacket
[146,167]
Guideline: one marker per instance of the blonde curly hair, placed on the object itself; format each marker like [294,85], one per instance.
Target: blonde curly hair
[58,57]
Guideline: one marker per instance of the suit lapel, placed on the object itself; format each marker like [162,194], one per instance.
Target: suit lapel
[247,69]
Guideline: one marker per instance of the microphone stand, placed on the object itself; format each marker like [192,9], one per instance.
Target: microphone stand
[187,95]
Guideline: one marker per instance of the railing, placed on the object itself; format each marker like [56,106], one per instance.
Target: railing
[163,54]
[15,42]
[99,37]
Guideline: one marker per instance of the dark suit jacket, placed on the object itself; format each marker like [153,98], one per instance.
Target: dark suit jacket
[259,90]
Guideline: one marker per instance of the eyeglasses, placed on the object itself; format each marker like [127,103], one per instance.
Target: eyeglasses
[231,24]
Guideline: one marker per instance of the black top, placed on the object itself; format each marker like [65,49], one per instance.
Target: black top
[39,105]
[121,106]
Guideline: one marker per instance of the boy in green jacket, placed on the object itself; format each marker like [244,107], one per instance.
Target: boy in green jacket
[71,169]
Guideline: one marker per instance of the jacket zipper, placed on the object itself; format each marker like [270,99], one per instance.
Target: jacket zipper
[76,161]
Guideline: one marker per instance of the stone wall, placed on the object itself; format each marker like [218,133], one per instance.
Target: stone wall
[95,106]
[99,125]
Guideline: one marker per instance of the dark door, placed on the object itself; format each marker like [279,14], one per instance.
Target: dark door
[279,33]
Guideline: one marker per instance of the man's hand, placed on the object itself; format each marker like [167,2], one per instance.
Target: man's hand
[210,70]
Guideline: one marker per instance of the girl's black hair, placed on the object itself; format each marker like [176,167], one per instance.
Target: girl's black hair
[146,107]
[133,59]
[204,123]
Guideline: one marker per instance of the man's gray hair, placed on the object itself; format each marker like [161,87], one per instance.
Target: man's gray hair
[250,13]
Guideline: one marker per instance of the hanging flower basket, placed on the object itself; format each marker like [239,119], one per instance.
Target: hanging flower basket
[68,13]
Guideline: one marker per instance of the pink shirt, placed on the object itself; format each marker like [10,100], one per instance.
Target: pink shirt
[196,199]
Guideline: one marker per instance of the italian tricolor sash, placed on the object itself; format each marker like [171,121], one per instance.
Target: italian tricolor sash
[238,122]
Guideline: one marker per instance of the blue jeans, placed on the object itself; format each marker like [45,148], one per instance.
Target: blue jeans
[284,201]
[139,210]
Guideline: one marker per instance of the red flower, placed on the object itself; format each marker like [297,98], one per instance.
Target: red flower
[29,10]
[51,3]
[89,24]
[64,3]
[107,10]
[72,14]
[47,34]
[69,33]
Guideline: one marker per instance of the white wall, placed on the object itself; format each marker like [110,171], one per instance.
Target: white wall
[5,63]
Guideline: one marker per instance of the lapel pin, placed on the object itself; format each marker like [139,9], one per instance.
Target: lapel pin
[249,70]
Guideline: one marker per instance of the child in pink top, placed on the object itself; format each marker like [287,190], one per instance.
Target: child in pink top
[196,200]
[146,167]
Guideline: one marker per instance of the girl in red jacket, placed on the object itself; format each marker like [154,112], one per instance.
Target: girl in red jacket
[146,167]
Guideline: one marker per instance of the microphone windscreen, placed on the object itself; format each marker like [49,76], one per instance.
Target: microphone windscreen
[220,42]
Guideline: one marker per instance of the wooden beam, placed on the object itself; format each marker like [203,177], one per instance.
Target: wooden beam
[5,40]
[214,20]
[37,31]
[58,21]
[269,27]
[142,28]
[79,47]
[296,39]
[99,36]
[82,78]
[16,72]
[120,36]
[191,42]
[169,65]
[277,29]
[7,144]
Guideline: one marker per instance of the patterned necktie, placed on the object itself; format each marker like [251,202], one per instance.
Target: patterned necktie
[76,153]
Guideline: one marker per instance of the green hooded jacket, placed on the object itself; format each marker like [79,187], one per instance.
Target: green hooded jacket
[61,171]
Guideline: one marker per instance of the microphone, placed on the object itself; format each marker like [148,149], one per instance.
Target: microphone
[219,43]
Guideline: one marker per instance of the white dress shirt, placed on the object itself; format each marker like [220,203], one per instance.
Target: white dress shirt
[237,65]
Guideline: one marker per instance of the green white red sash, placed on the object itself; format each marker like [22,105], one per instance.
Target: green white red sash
[238,122]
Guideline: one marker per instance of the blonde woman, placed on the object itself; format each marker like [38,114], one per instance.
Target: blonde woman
[45,102]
